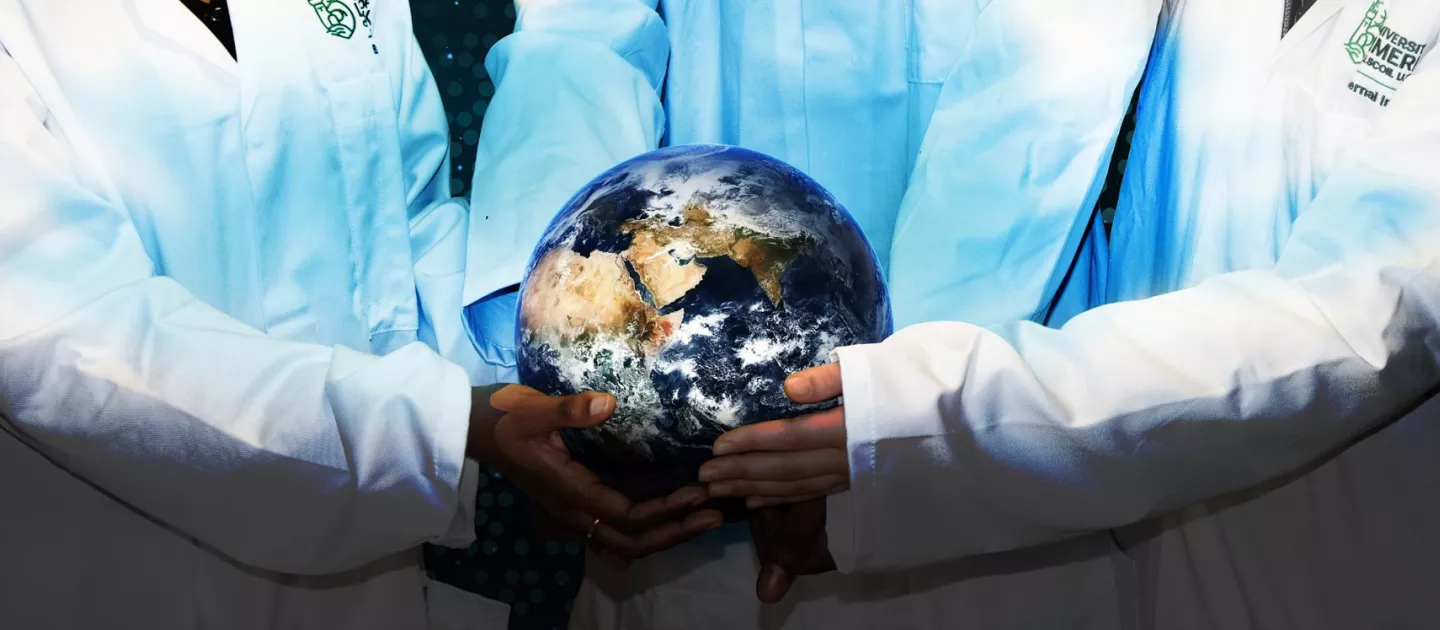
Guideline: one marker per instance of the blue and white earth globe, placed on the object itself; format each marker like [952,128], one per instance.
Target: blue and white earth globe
[689,282]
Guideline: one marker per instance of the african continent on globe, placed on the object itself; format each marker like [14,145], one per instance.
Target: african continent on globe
[689,282]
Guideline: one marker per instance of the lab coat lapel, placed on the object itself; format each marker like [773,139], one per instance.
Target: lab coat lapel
[1319,14]
[170,21]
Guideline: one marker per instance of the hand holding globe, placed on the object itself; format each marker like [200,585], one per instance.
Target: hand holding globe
[515,430]
[688,283]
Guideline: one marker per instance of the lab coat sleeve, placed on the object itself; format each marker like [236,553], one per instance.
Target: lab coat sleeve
[1015,157]
[286,456]
[438,225]
[964,441]
[576,92]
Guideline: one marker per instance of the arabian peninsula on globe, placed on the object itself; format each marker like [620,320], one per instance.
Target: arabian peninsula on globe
[689,282]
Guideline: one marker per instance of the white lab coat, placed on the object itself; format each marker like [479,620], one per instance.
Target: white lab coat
[1276,243]
[845,92]
[217,409]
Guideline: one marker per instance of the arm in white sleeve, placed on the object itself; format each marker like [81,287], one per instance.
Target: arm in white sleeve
[286,456]
[576,92]
[438,227]
[1015,156]
[965,441]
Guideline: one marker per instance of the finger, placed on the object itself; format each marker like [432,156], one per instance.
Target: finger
[824,484]
[772,585]
[587,530]
[763,525]
[819,430]
[817,384]
[658,538]
[755,503]
[507,396]
[792,542]
[543,414]
[584,491]
[528,433]
[646,513]
[801,530]
[530,454]
[565,482]
[687,498]
[791,466]
[533,453]
[606,535]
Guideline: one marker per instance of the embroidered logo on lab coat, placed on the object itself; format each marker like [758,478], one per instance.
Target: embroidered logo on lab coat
[337,16]
[1381,54]
[341,18]
[1368,31]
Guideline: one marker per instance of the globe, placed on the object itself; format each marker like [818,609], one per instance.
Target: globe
[689,282]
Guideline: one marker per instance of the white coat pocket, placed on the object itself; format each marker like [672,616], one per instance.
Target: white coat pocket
[450,608]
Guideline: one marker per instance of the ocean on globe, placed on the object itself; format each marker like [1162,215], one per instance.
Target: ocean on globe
[689,282]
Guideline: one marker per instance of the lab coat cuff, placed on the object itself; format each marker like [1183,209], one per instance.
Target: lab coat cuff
[453,473]
[462,528]
[851,536]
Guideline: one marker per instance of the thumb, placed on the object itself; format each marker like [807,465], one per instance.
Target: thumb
[509,396]
[817,384]
[773,584]
[584,410]
[537,414]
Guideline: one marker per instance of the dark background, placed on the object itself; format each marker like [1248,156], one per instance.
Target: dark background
[507,562]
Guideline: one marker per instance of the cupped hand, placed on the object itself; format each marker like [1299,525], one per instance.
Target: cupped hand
[786,461]
[524,444]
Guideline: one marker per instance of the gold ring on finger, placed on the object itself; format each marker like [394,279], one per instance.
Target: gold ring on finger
[589,534]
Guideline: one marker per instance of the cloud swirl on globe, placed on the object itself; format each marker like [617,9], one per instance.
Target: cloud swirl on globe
[689,282]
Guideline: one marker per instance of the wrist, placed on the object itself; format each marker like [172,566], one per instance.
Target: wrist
[480,442]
